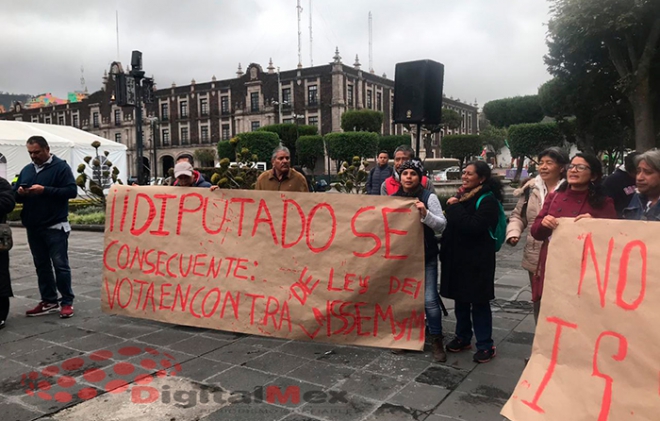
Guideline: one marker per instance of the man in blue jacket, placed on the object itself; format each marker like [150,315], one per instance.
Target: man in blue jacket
[44,187]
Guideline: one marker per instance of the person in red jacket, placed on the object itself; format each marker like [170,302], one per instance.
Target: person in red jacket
[402,153]
[580,197]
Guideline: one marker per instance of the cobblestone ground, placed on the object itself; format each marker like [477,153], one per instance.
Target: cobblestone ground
[94,352]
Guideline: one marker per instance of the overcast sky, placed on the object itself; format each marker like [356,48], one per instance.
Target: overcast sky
[490,48]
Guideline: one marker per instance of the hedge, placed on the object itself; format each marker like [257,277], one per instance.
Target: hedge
[345,146]
[260,143]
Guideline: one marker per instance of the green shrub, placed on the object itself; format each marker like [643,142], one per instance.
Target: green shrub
[345,146]
[289,134]
[88,219]
[362,121]
[310,150]
[259,143]
[390,143]
[462,147]
[226,150]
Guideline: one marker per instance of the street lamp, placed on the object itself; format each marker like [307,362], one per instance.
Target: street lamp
[154,122]
[279,101]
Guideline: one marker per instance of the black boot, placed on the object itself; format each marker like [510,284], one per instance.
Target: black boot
[438,349]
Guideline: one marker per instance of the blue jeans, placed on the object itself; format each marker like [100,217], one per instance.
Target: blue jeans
[432,298]
[49,249]
[481,320]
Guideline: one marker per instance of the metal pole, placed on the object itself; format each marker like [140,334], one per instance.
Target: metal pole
[154,163]
[418,136]
[279,97]
[139,144]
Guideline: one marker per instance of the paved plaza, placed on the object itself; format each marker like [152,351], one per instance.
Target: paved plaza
[227,376]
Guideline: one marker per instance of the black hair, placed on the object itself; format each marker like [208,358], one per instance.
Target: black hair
[629,162]
[596,197]
[557,154]
[385,152]
[405,148]
[188,157]
[483,170]
[39,141]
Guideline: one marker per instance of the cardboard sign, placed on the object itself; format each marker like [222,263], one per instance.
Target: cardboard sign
[328,267]
[595,354]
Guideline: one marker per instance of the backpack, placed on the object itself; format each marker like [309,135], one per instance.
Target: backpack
[500,229]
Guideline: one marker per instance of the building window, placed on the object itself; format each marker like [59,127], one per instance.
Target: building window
[204,106]
[205,134]
[184,136]
[349,96]
[312,95]
[379,101]
[313,120]
[118,137]
[164,111]
[95,120]
[254,101]
[255,125]
[34,118]
[225,132]
[165,136]
[286,96]
[369,99]
[287,121]
[183,108]
[224,104]
[117,117]
[76,122]
[60,120]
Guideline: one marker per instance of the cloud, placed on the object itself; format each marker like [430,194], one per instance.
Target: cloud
[490,48]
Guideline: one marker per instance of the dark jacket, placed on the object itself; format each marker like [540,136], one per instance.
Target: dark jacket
[7,203]
[636,210]
[620,186]
[200,181]
[377,176]
[391,185]
[52,207]
[467,251]
[568,204]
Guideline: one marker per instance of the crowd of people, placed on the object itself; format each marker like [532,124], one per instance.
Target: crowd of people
[468,225]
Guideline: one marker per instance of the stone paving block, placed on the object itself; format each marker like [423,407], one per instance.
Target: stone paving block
[65,334]
[352,357]
[321,373]
[241,379]
[390,412]
[8,336]
[488,384]
[57,398]
[401,367]
[248,412]
[372,386]
[468,407]
[235,353]
[166,337]
[520,338]
[357,408]
[419,396]
[12,411]
[198,345]
[527,325]
[222,334]
[200,369]
[504,322]
[445,377]
[514,278]
[514,350]
[311,350]
[293,392]
[12,374]
[264,342]
[47,356]
[299,417]
[94,342]
[274,362]
[503,365]
[127,330]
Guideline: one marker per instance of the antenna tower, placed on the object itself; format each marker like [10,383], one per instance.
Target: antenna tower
[299,8]
[83,86]
[311,39]
[371,46]
[117,28]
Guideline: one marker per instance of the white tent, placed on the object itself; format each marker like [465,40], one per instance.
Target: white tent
[66,142]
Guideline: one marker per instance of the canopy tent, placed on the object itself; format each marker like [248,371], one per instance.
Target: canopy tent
[66,142]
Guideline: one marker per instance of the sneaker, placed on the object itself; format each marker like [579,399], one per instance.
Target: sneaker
[457,345]
[484,355]
[43,308]
[66,311]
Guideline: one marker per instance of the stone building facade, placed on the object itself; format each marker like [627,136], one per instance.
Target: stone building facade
[187,118]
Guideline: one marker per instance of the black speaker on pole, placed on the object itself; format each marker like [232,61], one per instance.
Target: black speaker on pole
[418,92]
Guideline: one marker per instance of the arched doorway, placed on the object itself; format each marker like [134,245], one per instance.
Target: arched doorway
[168,162]
[3,168]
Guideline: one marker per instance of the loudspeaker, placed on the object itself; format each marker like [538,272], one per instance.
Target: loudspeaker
[418,92]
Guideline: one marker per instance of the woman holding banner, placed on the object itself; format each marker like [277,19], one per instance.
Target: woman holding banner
[467,255]
[7,203]
[430,211]
[552,164]
[580,197]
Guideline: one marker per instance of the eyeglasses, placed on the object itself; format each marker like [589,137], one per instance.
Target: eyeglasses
[578,167]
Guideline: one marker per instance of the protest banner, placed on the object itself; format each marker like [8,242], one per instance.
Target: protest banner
[327,267]
[594,356]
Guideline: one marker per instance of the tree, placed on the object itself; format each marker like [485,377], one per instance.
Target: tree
[517,110]
[289,133]
[104,173]
[259,143]
[205,157]
[623,35]
[462,147]
[493,136]
[362,121]
[227,149]
[451,119]
[390,143]
[345,146]
[528,140]
[310,150]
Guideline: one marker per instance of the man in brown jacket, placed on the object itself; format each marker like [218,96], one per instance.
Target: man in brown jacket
[282,177]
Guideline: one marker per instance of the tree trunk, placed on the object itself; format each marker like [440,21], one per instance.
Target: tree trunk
[521,164]
[642,106]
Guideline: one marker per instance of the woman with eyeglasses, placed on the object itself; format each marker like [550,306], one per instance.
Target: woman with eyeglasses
[467,256]
[552,164]
[580,197]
